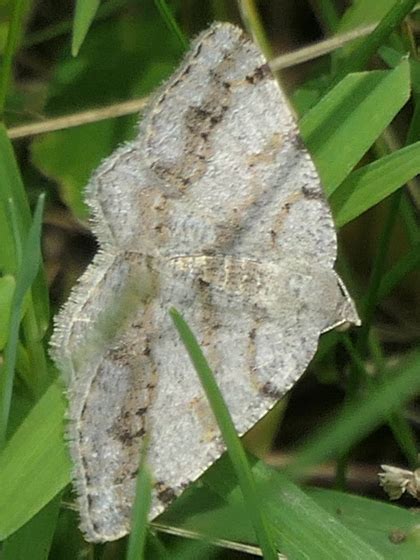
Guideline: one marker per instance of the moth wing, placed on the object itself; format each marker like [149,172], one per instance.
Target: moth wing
[221,134]
[258,325]
[100,345]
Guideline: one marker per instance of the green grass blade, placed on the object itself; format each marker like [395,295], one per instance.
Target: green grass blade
[63,27]
[328,14]
[360,56]
[35,464]
[299,526]
[252,19]
[170,21]
[7,289]
[346,122]
[410,262]
[12,189]
[13,37]
[232,441]
[375,521]
[349,520]
[312,533]
[357,420]
[141,507]
[191,550]
[31,259]
[83,17]
[370,184]
[33,540]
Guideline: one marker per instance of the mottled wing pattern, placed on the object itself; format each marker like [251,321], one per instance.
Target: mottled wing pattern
[223,135]
[215,208]
[258,324]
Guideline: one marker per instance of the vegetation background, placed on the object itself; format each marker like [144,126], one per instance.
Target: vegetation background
[355,408]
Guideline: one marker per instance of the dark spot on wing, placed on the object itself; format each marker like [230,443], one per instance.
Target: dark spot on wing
[141,411]
[311,193]
[269,390]
[258,74]
[165,494]
[203,283]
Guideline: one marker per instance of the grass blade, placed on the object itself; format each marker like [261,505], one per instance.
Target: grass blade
[14,204]
[31,259]
[346,122]
[35,464]
[13,36]
[33,540]
[372,183]
[232,441]
[170,21]
[298,524]
[141,507]
[391,279]
[7,289]
[83,17]
[360,56]
[357,420]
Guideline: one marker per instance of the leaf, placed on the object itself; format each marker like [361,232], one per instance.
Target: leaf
[34,465]
[12,189]
[345,123]
[28,269]
[33,540]
[360,54]
[360,13]
[301,528]
[372,183]
[347,519]
[392,530]
[83,18]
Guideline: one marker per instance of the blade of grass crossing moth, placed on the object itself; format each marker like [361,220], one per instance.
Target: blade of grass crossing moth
[341,127]
[33,540]
[171,22]
[141,508]
[31,259]
[83,17]
[370,184]
[231,439]
[360,56]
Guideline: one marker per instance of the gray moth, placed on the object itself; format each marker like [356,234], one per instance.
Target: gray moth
[215,208]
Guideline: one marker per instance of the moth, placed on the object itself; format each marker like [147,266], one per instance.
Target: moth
[215,208]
